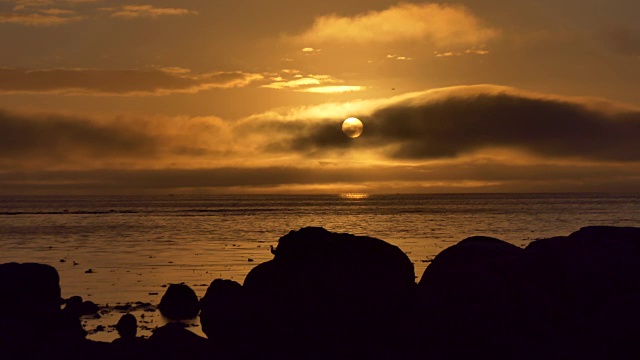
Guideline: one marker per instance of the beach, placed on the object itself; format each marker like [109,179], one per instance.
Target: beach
[136,246]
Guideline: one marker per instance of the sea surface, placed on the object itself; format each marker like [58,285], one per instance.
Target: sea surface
[119,249]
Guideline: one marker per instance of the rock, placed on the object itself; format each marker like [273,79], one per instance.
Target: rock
[225,316]
[89,308]
[570,296]
[179,303]
[471,299]
[591,286]
[128,346]
[322,288]
[32,324]
[173,341]
[29,292]
[73,306]
[464,262]
[127,326]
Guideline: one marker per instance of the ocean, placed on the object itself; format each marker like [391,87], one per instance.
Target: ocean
[118,249]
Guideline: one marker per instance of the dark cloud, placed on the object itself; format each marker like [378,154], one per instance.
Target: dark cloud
[59,137]
[461,124]
[491,176]
[117,82]
[579,145]
[61,140]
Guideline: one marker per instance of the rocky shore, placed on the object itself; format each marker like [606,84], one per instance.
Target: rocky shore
[338,296]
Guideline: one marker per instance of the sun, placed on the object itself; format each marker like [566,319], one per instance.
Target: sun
[352,127]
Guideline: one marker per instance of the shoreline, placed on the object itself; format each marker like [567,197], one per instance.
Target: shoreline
[479,296]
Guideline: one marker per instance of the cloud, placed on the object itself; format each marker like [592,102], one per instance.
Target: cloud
[118,82]
[145,11]
[58,12]
[454,122]
[54,141]
[25,4]
[63,137]
[467,138]
[332,89]
[398,57]
[309,83]
[292,83]
[461,53]
[442,25]
[310,51]
[47,17]
[466,176]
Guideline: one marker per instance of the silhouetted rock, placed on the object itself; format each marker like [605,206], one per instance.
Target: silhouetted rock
[128,346]
[471,301]
[76,306]
[173,341]
[33,324]
[574,296]
[30,293]
[225,317]
[89,308]
[179,303]
[127,326]
[591,286]
[339,296]
[330,295]
[73,306]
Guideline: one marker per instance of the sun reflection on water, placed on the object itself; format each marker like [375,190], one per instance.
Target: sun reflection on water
[354,196]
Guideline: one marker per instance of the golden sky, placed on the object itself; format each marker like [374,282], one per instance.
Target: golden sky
[201,96]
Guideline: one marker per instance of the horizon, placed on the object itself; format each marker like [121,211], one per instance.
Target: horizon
[348,196]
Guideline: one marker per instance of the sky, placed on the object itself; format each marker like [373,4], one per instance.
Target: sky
[249,96]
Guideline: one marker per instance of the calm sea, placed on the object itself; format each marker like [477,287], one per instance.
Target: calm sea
[135,245]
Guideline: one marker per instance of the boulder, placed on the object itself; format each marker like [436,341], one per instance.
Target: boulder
[345,263]
[173,341]
[591,285]
[128,346]
[472,301]
[225,317]
[570,296]
[30,293]
[223,307]
[469,260]
[179,303]
[127,326]
[332,295]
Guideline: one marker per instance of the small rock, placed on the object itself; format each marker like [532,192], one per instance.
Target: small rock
[89,308]
[90,271]
[180,302]
[127,326]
